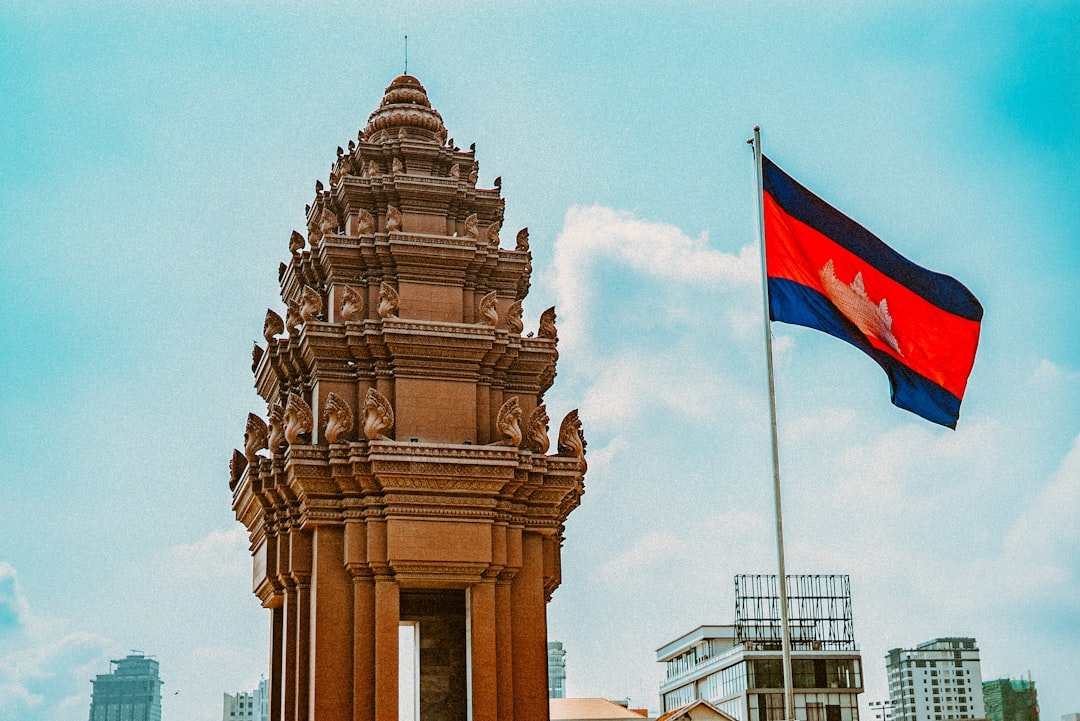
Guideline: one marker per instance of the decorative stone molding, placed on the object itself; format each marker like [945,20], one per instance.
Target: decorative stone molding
[378,415]
[513,318]
[393,219]
[493,234]
[547,325]
[298,418]
[338,417]
[388,301]
[296,242]
[365,223]
[322,223]
[276,436]
[522,240]
[237,464]
[292,318]
[254,436]
[272,326]
[571,438]
[472,228]
[352,304]
[256,356]
[455,171]
[489,309]
[508,422]
[311,305]
[537,426]
[473,175]
[397,167]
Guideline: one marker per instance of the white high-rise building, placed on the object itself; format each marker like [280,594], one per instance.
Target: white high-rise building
[246,705]
[936,680]
[556,670]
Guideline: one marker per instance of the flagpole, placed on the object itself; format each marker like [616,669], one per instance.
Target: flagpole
[789,699]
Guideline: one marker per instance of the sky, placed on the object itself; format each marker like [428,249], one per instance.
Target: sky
[154,158]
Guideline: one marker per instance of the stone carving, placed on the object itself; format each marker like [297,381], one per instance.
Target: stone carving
[522,240]
[236,468]
[298,418]
[489,309]
[281,268]
[352,304]
[388,301]
[292,318]
[276,436]
[318,186]
[256,356]
[338,417]
[311,305]
[455,171]
[328,221]
[272,325]
[513,318]
[393,219]
[498,181]
[571,439]
[296,242]
[352,146]
[401,134]
[493,234]
[537,428]
[508,422]
[365,223]
[472,175]
[472,228]
[547,325]
[373,169]
[254,436]
[398,167]
[378,415]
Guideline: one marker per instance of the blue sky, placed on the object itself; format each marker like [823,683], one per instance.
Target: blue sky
[156,156]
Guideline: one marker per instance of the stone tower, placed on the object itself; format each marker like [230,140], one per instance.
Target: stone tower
[403,474]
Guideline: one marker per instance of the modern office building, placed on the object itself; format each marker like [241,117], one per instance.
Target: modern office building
[1008,699]
[556,670]
[131,691]
[246,705]
[936,680]
[738,668]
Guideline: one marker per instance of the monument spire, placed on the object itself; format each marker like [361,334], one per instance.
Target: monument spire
[403,474]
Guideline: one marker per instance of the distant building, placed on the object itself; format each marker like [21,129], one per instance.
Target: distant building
[246,705]
[130,691]
[936,680]
[1009,699]
[738,669]
[592,709]
[556,670]
[1071,717]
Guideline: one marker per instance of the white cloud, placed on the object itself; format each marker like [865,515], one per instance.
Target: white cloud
[598,235]
[219,554]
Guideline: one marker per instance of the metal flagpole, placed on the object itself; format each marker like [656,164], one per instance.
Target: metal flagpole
[789,700]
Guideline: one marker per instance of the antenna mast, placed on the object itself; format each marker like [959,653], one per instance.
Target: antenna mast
[406,54]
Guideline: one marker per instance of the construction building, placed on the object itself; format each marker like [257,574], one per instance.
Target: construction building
[937,680]
[1007,699]
[738,668]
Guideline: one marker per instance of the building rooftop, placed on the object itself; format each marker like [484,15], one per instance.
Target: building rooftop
[589,709]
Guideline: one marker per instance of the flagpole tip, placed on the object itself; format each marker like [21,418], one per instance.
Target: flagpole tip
[757,128]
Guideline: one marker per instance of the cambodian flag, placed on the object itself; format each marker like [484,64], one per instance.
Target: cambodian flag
[828,272]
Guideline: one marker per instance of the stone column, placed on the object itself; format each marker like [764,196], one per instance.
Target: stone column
[504,647]
[331,676]
[363,648]
[277,633]
[484,653]
[387,619]
[530,633]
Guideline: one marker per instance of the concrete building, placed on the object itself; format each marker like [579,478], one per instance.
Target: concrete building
[402,473]
[131,691]
[1007,699]
[738,668]
[246,705]
[556,670]
[937,680]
